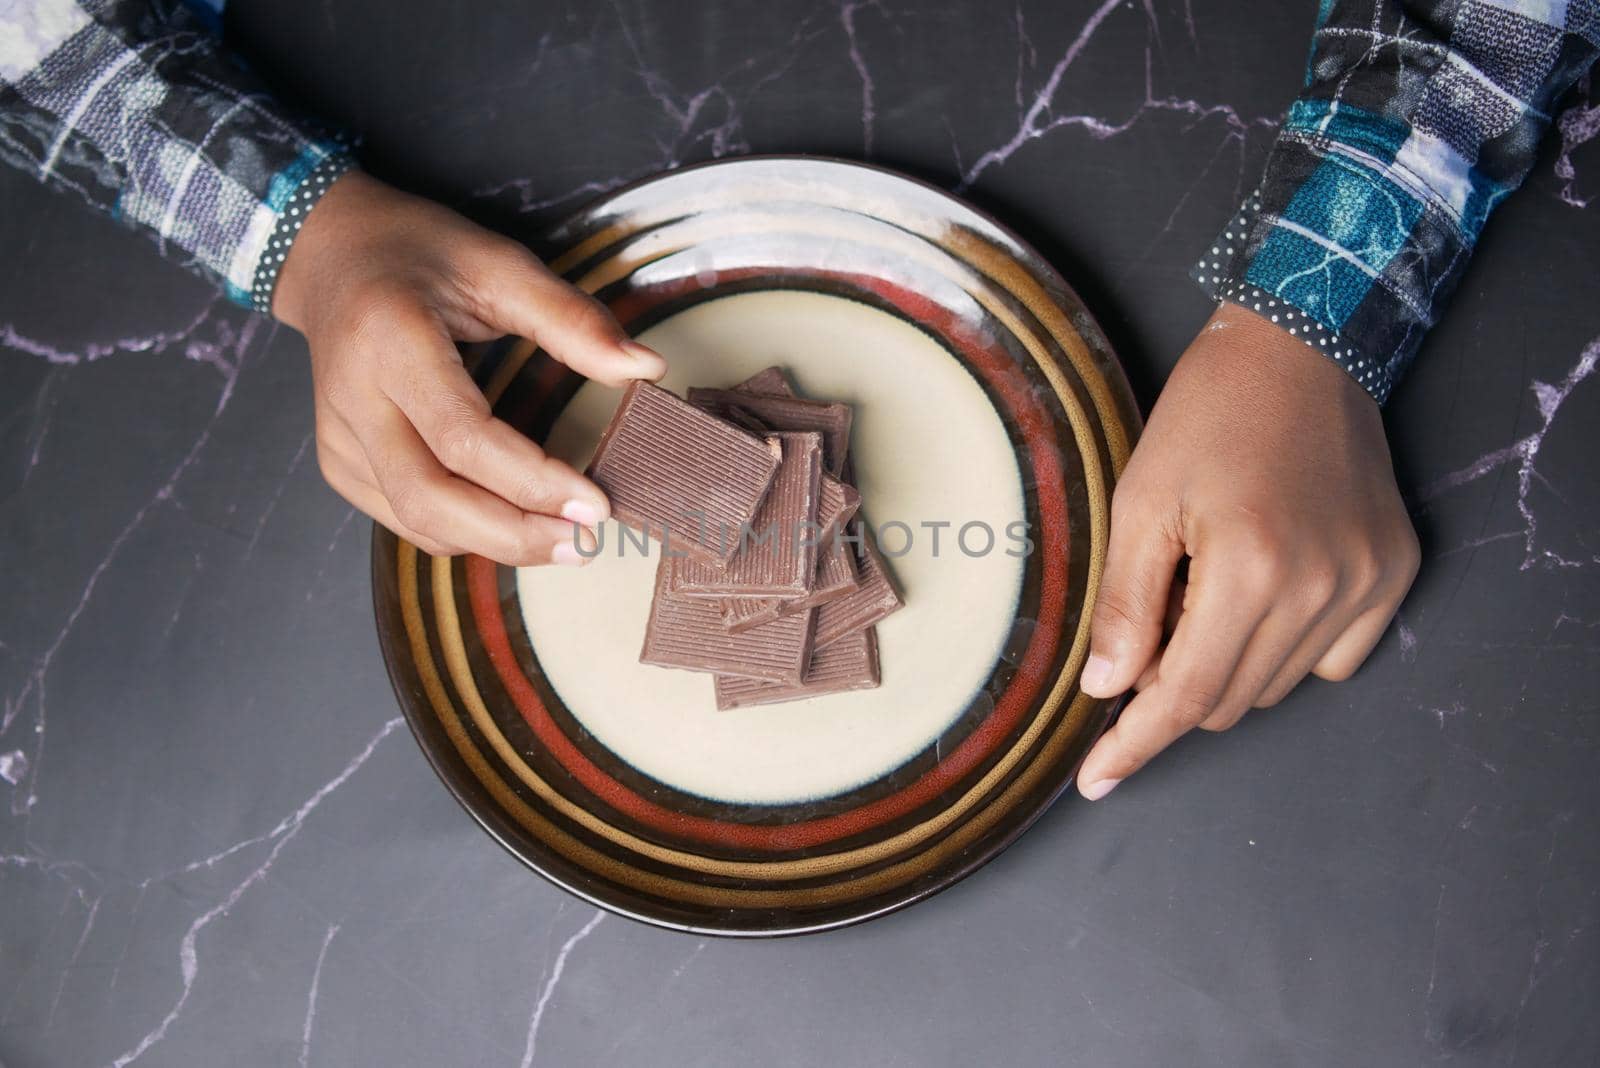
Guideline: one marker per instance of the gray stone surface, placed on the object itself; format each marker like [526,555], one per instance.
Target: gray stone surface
[218,845]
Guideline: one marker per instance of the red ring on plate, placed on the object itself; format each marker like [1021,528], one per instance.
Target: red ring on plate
[1032,669]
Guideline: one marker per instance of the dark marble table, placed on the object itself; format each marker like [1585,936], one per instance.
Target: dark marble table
[218,844]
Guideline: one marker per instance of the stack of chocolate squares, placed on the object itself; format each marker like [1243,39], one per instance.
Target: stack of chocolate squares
[768,579]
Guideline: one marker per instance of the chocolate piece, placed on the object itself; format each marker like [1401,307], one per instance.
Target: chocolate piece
[688,634]
[832,421]
[778,553]
[848,664]
[662,460]
[773,381]
[840,503]
[874,599]
[835,571]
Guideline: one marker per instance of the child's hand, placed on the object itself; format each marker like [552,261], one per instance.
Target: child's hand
[1266,464]
[382,284]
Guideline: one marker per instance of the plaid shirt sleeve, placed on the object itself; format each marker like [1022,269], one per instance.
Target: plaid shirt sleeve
[135,106]
[1418,117]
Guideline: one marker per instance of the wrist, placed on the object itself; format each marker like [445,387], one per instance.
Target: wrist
[1237,341]
[332,230]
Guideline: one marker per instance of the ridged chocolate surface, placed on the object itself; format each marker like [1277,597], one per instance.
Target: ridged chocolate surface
[848,664]
[835,565]
[872,600]
[780,559]
[662,460]
[832,421]
[688,634]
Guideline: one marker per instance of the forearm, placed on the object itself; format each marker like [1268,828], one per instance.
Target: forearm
[1409,132]
[134,106]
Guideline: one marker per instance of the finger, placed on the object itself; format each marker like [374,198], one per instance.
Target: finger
[1299,662]
[1152,671]
[436,504]
[1339,643]
[1274,641]
[1168,625]
[1352,648]
[370,501]
[1130,604]
[350,476]
[453,417]
[1195,674]
[520,295]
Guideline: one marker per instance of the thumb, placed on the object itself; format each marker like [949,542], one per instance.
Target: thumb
[524,297]
[1125,630]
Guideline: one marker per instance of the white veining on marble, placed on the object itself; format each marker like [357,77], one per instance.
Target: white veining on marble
[43,410]
[848,10]
[706,120]
[13,766]
[227,353]
[699,947]
[1541,941]
[127,945]
[1408,641]
[281,835]
[154,342]
[1524,453]
[311,996]
[277,493]
[181,596]
[532,1043]
[72,961]
[1039,118]
[1027,56]
[1430,1030]
[315,584]
[1577,125]
[658,995]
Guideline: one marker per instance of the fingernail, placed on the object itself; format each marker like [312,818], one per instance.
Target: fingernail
[643,354]
[1096,677]
[584,513]
[1094,791]
[576,551]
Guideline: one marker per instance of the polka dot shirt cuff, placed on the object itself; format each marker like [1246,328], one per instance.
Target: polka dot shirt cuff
[1367,373]
[1221,273]
[293,216]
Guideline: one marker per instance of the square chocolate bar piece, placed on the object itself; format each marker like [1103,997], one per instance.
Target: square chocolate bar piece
[848,664]
[873,599]
[835,570]
[688,634]
[777,555]
[682,476]
[832,421]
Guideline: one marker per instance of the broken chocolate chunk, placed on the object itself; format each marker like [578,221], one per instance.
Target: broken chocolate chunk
[772,381]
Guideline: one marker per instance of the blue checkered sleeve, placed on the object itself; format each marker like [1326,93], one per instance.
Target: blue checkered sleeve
[1417,118]
[135,106]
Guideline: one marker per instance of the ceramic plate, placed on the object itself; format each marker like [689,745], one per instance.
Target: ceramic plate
[801,817]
